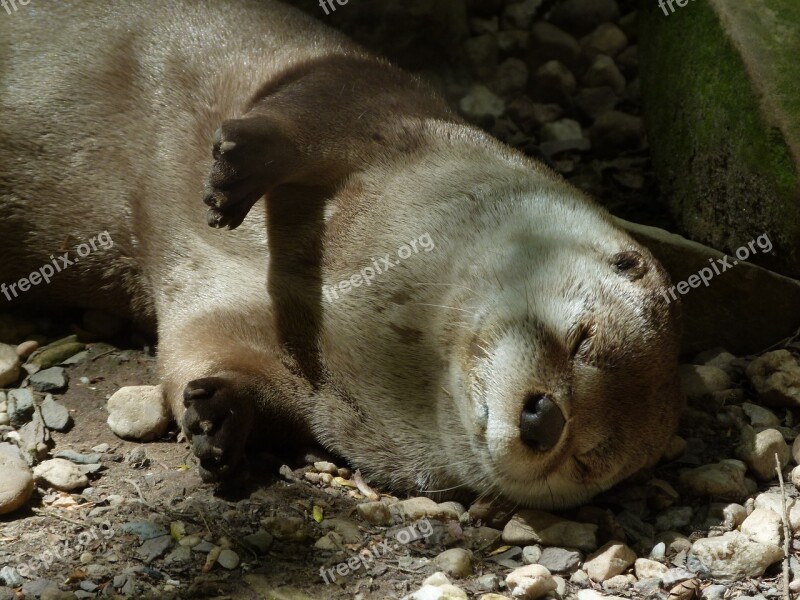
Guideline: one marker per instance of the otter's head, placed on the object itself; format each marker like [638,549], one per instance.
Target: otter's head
[565,373]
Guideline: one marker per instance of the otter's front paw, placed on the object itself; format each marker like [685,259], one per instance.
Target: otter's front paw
[218,420]
[248,161]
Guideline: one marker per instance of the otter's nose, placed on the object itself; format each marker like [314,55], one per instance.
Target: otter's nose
[541,423]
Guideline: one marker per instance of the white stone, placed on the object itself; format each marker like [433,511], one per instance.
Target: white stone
[16,481]
[760,416]
[645,568]
[437,587]
[529,527]
[60,474]
[764,526]
[733,556]
[758,451]
[456,562]
[610,559]
[723,480]
[9,365]
[530,582]
[138,413]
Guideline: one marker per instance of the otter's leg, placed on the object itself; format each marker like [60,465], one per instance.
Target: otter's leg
[231,389]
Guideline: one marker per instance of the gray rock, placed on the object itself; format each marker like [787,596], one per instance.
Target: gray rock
[55,415]
[674,517]
[77,458]
[145,530]
[138,413]
[34,439]
[154,548]
[607,39]
[758,450]
[259,541]
[228,559]
[563,130]
[554,82]
[180,555]
[54,379]
[531,554]
[528,527]
[594,101]
[20,406]
[16,483]
[519,14]
[60,474]
[760,416]
[9,365]
[456,562]
[582,16]
[723,480]
[615,132]
[512,77]
[10,577]
[560,560]
[482,56]
[732,556]
[481,104]
[548,42]
[776,378]
[604,72]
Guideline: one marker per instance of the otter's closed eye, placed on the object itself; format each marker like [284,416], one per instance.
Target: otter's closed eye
[630,264]
[581,339]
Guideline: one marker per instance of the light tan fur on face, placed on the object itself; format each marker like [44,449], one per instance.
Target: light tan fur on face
[419,378]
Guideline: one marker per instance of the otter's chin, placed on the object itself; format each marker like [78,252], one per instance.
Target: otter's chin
[553,492]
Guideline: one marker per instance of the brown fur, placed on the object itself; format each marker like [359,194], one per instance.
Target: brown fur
[356,159]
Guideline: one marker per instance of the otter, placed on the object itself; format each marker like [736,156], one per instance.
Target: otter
[440,310]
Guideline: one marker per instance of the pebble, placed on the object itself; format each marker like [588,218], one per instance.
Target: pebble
[732,556]
[16,483]
[228,559]
[795,477]
[10,576]
[512,77]
[646,569]
[758,451]
[77,458]
[154,548]
[548,42]
[144,530]
[25,349]
[582,16]
[615,132]
[55,415]
[60,474]
[700,381]
[607,39]
[437,587]
[562,130]
[674,517]
[54,379]
[725,479]
[376,513]
[532,554]
[20,406]
[456,562]
[285,528]
[481,103]
[530,582]
[554,82]
[604,72]
[9,365]
[776,378]
[54,354]
[421,507]
[760,416]
[346,529]
[714,592]
[260,541]
[138,413]
[528,527]
[764,526]
[613,558]
[559,560]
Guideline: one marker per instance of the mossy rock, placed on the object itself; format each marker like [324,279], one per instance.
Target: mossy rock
[722,108]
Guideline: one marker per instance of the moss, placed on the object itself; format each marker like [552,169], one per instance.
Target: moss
[730,175]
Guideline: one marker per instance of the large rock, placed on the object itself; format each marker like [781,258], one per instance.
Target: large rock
[16,482]
[138,413]
[538,527]
[9,365]
[712,314]
[776,378]
[725,133]
[732,556]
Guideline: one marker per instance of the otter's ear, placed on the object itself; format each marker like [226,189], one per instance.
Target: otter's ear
[314,125]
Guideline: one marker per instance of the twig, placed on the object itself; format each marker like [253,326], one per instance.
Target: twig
[54,515]
[787,532]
